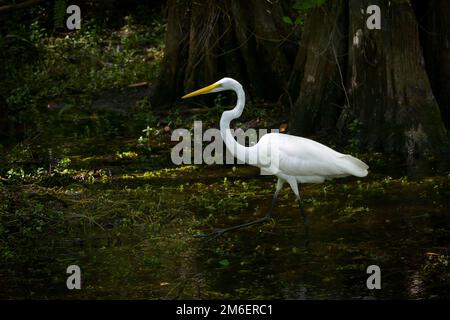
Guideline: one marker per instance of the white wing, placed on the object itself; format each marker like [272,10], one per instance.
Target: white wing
[301,157]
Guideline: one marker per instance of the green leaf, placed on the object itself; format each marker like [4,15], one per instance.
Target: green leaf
[299,21]
[224,263]
[287,20]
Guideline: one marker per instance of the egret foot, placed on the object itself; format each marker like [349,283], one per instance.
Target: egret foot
[217,233]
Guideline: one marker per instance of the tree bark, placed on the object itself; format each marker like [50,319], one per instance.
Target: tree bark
[389,90]
[208,40]
[317,82]
[433,17]
[171,78]
[388,103]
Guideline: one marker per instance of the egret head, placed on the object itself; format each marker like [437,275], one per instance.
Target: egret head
[221,85]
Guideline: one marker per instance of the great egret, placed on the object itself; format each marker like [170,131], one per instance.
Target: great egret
[292,159]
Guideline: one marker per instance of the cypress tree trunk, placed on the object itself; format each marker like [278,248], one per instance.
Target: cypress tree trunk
[434,20]
[171,79]
[317,81]
[208,40]
[387,88]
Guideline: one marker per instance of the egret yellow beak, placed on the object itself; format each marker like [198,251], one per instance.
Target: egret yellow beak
[201,91]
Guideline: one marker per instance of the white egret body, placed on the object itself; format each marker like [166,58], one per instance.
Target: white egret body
[292,159]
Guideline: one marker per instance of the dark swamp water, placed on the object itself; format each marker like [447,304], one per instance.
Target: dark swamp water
[133,238]
[129,224]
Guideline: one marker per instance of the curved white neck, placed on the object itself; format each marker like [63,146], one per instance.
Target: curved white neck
[237,150]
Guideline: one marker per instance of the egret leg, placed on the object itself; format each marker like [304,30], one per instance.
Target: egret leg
[295,187]
[219,232]
[305,221]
